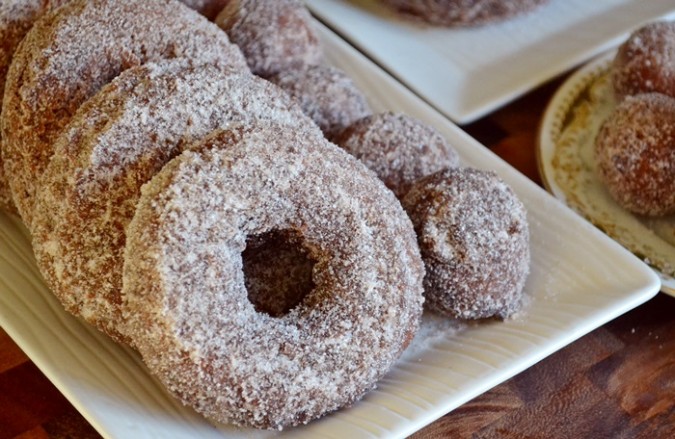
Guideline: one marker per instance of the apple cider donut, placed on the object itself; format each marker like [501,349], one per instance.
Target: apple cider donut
[185,293]
[463,12]
[474,239]
[273,35]
[70,53]
[645,62]
[116,142]
[327,95]
[16,19]
[635,154]
[398,148]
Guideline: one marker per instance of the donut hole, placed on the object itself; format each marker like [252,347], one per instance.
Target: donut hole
[277,270]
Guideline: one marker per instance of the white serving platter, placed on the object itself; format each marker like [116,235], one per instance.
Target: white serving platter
[580,279]
[568,169]
[467,72]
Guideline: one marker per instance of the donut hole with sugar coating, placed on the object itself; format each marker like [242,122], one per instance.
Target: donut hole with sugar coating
[398,148]
[327,95]
[474,238]
[274,36]
[645,62]
[635,154]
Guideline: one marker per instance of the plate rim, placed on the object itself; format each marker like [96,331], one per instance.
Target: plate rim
[549,128]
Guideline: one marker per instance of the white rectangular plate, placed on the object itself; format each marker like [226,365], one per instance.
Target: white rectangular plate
[466,73]
[580,279]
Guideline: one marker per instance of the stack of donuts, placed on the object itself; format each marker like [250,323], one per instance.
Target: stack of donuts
[184,196]
[635,147]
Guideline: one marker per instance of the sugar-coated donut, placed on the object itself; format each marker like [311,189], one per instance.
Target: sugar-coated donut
[635,154]
[398,148]
[327,95]
[16,19]
[474,238]
[273,35]
[184,285]
[645,62]
[70,53]
[116,142]
[463,12]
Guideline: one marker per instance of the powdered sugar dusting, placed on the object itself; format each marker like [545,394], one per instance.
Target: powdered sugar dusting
[473,234]
[186,300]
[398,148]
[116,142]
[71,53]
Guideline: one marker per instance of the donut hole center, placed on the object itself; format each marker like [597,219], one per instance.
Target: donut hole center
[277,271]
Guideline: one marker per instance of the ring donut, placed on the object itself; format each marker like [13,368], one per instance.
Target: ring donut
[72,52]
[184,285]
[16,19]
[116,142]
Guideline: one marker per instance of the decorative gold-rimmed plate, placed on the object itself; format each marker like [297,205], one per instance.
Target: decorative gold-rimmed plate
[568,169]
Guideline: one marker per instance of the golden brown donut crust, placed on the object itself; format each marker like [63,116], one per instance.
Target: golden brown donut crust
[16,19]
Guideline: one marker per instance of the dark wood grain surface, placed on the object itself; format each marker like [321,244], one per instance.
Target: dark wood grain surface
[616,382]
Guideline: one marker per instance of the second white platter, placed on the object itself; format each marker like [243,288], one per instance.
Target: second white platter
[467,72]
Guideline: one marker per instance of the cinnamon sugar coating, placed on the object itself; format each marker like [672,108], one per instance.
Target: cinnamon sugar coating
[70,53]
[398,148]
[16,19]
[474,238]
[273,35]
[327,95]
[185,293]
[208,8]
[635,154]
[645,62]
[116,142]
[463,12]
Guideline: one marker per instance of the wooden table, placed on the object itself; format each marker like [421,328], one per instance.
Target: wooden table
[616,382]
